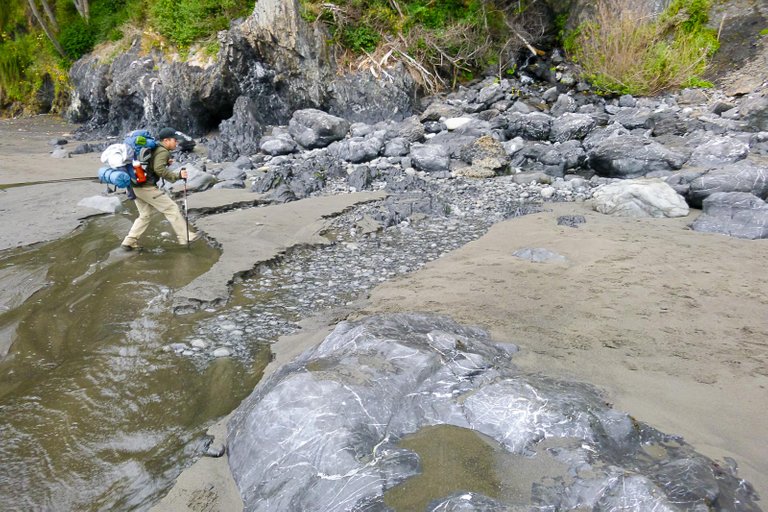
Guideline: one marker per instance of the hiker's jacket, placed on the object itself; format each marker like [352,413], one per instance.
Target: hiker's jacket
[158,164]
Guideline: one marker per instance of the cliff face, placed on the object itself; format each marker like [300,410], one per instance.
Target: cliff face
[273,57]
[281,64]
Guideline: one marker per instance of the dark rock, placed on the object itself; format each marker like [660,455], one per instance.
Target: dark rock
[571,126]
[437,111]
[427,371]
[272,180]
[721,106]
[362,97]
[231,172]
[59,141]
[398,146]
[631,157]
[744,176]
[357,149]
[185,142]
[411,129]
[670,123]
[283,194]
[718,151]
[434,126]
[564,104]
[361,178]
[313,128]
[243,162]
[533,126]
[632,118]
[627,100]
[754,111]
[278,145]
[737,214]
[229,184]
[571,221]
[598,135]
[82,149]
[430,158]
[238,135]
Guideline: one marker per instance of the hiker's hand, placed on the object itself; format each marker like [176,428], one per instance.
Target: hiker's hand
[170,161]
[183,174]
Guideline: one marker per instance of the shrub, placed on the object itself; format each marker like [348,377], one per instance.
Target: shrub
[624,50]
[77,38]
[186,21]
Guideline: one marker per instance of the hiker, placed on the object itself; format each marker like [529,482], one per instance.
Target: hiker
[149,196]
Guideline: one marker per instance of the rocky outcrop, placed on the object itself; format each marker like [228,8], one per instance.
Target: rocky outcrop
[322,433]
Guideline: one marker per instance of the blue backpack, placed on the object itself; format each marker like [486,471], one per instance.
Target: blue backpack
[140,141]
[119,177]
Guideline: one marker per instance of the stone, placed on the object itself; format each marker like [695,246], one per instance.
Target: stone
[572,221]
[737,214]
[221,352]
[571,126]
[229,184]
[361,178]
[627,100]
[753,109]
[358,149]
[84,148]
[454,123]
[639,198]
[313,128]
[363,97]
[243,162]
[280,145]
[399,146]
[58,141]
[631,156]
[564,104]
[486,153]
[539,255]
[324,431]
[436,111]
[743,176]
[198,343]
[430,158]
[60,153]
[533,126]
[691,97]
[718,151]
[106,204]
[231,172]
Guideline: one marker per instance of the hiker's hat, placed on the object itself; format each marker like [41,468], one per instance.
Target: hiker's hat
[167,133]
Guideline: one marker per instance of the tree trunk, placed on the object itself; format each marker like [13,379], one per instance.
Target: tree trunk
[82,8]
[49,14]
[46,28]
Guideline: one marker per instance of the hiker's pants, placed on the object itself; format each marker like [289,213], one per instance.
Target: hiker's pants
[152,197]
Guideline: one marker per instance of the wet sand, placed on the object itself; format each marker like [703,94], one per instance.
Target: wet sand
[670,323]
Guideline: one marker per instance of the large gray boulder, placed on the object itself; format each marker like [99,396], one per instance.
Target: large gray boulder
[485,157]
[277,145]
[631,157]
[639,198]
[323,432]
[744,176]
[717,151]
[754,111]
[736,214]
[313,128]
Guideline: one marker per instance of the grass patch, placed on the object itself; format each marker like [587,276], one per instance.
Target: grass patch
[624,49]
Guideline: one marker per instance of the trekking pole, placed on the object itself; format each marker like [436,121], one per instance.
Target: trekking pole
[186,210]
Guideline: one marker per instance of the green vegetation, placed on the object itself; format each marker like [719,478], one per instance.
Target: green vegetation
[439,41]
[622,54]
[39,44]
[764,32]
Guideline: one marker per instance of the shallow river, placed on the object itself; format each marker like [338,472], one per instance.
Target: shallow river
[95,414]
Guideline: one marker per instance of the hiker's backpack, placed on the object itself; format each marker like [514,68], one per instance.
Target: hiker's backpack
[142,143]
[118,170]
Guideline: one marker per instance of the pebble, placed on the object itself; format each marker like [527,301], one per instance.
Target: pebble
[221,352]
[310,279]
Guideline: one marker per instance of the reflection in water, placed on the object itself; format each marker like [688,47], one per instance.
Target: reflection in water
[95,415]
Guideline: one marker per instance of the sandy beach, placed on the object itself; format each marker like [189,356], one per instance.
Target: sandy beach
[671,324]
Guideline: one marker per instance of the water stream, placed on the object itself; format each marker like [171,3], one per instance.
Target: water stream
[104,398]
[95,414]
